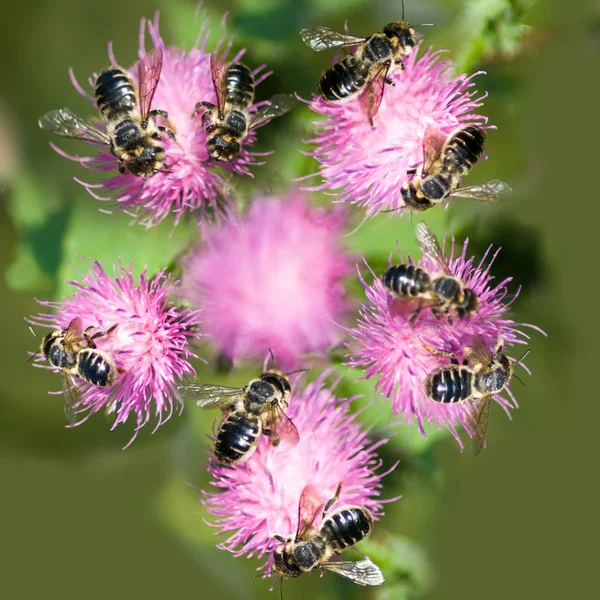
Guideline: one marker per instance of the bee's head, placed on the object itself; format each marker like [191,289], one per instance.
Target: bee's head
[149,161]
[401,35]
[222,148]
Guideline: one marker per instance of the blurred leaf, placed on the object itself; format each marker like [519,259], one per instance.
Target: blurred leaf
[178,505]
[490,27]
[40,217]
[30,205]
[376,413]
[405,566]
[25,274]
[108,238]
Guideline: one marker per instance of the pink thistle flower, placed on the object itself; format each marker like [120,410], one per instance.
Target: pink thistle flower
[259,499]
[390,348]
[148,340]
[368,165]
[271,281]
[190,180]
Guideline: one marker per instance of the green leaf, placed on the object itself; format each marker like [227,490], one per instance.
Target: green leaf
[490,27]
[376,412]
[110,238]
[404,563]
[40,216]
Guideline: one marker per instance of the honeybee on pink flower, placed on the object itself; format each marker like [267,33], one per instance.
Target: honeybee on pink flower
[402,340]
[120,345]
[257,505]
[172,171]
[379,166]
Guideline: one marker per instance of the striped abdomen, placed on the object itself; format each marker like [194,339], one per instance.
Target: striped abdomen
[450,384]
[346,527]
[237,437]
[343,79]
[239,89]
[463,149]
[406,280]
[115,94]
[96,367]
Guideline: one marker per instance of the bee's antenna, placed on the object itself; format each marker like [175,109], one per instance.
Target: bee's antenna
[403,10]
[297,371]
[518,379]
[274,362]
[37,336]
[520,359]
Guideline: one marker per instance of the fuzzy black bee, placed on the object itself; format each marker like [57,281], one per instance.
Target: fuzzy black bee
[317,547]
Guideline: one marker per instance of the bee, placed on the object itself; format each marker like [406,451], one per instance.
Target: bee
[258,408]
[442,292]
[73,351]
[314,547]
[443,167]
[481,375]
[131,131]
[229,122]
[365,72]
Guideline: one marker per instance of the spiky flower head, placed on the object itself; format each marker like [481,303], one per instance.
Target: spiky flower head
[148,338]
[258,499]
[271,280]
[190,181]
[391,345]
[368,165]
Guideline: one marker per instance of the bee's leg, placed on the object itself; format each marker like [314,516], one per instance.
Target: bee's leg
[435,352]
[207,106]
[166,130]
[412,171]
[333,500]
[121,166]
[90,338]
[417,312]
[156,112]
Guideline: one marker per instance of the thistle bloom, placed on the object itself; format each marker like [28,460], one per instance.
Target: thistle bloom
[390,348]
[368,165]
[259,498]
[190,181]
[271,281]
[148,339]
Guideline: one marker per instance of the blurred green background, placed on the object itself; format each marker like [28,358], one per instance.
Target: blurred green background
[81,517]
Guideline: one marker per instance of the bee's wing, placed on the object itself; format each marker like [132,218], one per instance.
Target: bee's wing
[282,427]
[323,38]
[74,332]
[363,572]
[430,245]
[480,417]
[70,396]
[478,351]
[432,148]
[492,191]
[309,507]
[278,105]
[372,95]
[149,69]
[218,71]
[208,395]
[67,124]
